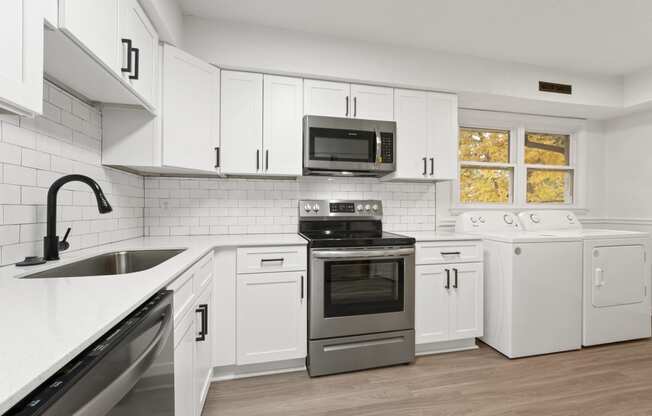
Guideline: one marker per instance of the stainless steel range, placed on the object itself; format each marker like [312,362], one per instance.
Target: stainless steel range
[360,288]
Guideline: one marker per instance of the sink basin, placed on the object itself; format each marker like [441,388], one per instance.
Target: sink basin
[118,262]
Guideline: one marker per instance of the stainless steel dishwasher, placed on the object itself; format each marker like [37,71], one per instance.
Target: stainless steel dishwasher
[128,371]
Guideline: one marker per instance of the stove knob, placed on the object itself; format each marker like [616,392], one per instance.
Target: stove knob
[360,207]
[307,207]
[367,207]
[374,207]
[315,208]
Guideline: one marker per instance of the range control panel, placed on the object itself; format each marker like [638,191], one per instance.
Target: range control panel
[341,208]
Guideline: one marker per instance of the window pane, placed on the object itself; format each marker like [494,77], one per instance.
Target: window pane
[549,186]
[484,185]
[547,149]
[483,145]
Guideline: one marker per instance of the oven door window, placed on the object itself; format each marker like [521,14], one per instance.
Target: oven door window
[360,287]
[342,145]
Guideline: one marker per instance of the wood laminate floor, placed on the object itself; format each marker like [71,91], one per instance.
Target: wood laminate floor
[614,379]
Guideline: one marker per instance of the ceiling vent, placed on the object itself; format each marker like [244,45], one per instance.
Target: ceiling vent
[555,88]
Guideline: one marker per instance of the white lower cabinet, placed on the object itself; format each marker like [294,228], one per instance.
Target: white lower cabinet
[448,302]
[271,317]
[193,337]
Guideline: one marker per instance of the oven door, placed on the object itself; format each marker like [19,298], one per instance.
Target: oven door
[361,291]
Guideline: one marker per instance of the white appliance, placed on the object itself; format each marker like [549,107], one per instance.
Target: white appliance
[616,277]
[533,294]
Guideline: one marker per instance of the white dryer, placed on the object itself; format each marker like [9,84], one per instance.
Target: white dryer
[533,297]
[616,277]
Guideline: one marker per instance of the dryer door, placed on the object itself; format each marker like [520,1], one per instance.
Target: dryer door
[618,275]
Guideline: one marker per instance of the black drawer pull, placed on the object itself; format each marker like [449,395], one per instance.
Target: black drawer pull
[450,253]
[281,259]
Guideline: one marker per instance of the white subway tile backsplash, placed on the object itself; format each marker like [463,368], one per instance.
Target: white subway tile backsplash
[235,206]
[36,152]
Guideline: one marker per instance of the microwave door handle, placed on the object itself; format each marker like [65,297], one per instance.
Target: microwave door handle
[103,402]
[379,148]
[336,254]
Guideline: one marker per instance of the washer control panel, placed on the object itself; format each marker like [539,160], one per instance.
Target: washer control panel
[487,221]
[550,220]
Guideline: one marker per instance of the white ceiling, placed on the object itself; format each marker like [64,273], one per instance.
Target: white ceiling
[609,37]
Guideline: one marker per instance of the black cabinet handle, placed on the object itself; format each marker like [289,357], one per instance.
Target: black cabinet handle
[432,165]
[266,159]
[425,166]
[301,287]
[448,279]
[280,259]
[217,157]
[455,283]
[257,160]
[203,310]
[128,67]
[355,106]
[347,106]
[136,64]
[450,253]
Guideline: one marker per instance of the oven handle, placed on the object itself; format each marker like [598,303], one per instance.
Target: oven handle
[362,253]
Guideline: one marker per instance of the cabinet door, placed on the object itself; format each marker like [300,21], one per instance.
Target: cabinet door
[466,304]
[372,103]
[136,27]
[411,134]
[442,136]
[282,125]
[271,317]
[203,348]
[191,111]
[21,48]
[431,304]
[94,25]
[325,98]
[242,123]
[184,375]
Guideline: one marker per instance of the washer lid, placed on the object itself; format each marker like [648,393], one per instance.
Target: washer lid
[529,237]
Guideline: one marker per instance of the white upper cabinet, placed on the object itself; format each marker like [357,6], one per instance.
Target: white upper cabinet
[191,112]
[106,51]
[442,136]
[282,125]
[261,124]
[426,136]
[411,135]
[372,103]
[139,43]
[93,24]
[242,123]
[326,98]
[184,138]
[21,48]
[339,99]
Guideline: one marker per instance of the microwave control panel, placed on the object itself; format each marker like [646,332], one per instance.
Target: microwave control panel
[387,147]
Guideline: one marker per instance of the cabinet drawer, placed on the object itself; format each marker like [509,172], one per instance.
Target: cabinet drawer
[271,259]
[448,252]
[203,272]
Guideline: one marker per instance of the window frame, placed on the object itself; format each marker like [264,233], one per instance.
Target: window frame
[518,125]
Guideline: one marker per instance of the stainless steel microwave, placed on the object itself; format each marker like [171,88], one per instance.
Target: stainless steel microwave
[348,147]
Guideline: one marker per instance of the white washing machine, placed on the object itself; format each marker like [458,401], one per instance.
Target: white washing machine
[533,294]
[616,277]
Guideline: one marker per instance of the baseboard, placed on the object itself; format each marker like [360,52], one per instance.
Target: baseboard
[232,372]
[446,346]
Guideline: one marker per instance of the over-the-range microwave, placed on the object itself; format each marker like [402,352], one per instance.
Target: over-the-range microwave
[348,147]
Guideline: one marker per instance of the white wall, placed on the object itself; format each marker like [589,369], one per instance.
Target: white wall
[480,82]
[34,153]
[176,206]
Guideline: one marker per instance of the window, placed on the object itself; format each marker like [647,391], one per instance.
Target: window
[515,167]
[486,174]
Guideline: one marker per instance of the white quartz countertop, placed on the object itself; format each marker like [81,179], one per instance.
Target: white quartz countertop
[46,322]
[427,236]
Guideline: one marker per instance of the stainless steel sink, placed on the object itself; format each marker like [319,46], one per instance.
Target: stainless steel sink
[118,262]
